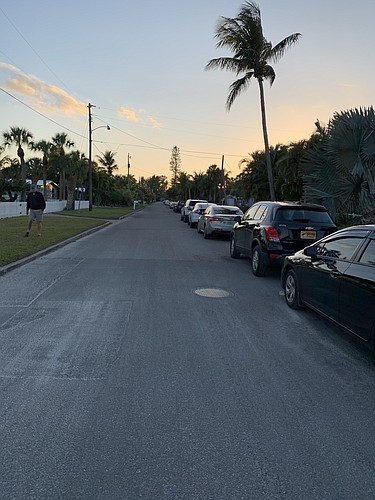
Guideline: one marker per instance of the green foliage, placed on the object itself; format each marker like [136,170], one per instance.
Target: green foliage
[175,165]
[340,171]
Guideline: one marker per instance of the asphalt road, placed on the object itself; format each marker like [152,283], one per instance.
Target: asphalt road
[119,381]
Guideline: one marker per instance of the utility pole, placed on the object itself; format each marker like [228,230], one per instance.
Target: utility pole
[222,178]
[90,151]
[129,171]
[90,156]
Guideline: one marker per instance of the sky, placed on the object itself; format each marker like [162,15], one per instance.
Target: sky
[141,63]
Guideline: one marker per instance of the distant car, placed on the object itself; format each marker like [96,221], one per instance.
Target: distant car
[336,277]
[188,206]
[178,207]
[195,214]
[172,204]
[270,230]
[218,219]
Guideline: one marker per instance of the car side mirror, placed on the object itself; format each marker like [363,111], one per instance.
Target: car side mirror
[238,218]
[311,252]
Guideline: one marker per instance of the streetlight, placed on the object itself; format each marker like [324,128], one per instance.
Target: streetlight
[90,152]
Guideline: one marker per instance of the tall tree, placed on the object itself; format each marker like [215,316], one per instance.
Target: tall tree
[34,169]
[46,148]
[214,176]
[243,35]
[107,160]
[184,185]
[18,136]
[175,165]
[76,169]
[61,142]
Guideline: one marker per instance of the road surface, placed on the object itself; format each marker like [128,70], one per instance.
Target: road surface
[143,362]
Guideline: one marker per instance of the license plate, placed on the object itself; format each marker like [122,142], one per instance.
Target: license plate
[308,235]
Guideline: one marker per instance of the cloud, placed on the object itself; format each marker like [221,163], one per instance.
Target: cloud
[139,116]
[128,114]
[46,98]
[154,122]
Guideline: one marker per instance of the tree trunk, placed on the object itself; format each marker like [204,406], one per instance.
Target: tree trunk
[266,145]
[21,156]
[71,187]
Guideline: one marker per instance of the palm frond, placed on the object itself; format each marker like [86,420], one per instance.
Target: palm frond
[279,49]
[237,87]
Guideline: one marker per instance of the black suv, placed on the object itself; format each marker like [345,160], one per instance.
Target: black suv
[270,230]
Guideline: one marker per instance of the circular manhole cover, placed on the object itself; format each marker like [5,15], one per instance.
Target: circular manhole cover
[215,293]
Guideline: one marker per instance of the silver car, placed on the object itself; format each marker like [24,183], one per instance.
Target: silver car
[218,219]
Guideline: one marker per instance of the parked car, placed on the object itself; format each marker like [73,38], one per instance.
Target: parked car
[178,207]
[186,209]
[336,277]
[195,214]
[270,230]
[218,219]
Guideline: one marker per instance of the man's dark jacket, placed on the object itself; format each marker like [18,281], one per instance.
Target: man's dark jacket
[35,201]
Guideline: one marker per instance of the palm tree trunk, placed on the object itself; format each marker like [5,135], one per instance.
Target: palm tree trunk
[266,144]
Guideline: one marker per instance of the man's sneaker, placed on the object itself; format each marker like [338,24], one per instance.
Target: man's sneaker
[39,234]
[27,233]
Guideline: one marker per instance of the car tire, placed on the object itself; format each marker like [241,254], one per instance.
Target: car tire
[198,230]
[206,236]
[192,225]
[186,218]
[257,265]
[234,253]
[182,217]
[291,290]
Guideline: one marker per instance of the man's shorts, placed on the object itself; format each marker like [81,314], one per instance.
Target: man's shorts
[36,215]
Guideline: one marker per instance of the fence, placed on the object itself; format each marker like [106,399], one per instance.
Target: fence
[17,208]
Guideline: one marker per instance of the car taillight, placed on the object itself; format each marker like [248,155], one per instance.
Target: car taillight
[216,219]
[271,233]
[273,256]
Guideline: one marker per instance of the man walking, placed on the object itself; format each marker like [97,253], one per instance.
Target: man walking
[35,204]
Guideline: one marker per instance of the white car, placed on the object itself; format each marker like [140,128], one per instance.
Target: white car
[218,219]
[188,207]
[195,214]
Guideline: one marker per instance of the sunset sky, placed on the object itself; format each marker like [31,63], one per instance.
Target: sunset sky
[141,64]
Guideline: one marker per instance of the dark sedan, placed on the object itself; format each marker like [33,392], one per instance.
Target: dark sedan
[336,277]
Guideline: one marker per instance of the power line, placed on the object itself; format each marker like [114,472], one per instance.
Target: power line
[32,48]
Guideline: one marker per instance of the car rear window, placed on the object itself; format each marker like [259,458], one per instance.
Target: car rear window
[302,215]
[228,211]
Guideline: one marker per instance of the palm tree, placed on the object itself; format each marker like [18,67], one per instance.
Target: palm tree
[60,142]
[184,185]
[46,148]
[108,161]
[199,184]
[214,176]
[340,170]
[34,169]
[18,136]
[243,35]
[76,169]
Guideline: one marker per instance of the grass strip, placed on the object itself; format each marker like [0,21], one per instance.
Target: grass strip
[14,245]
